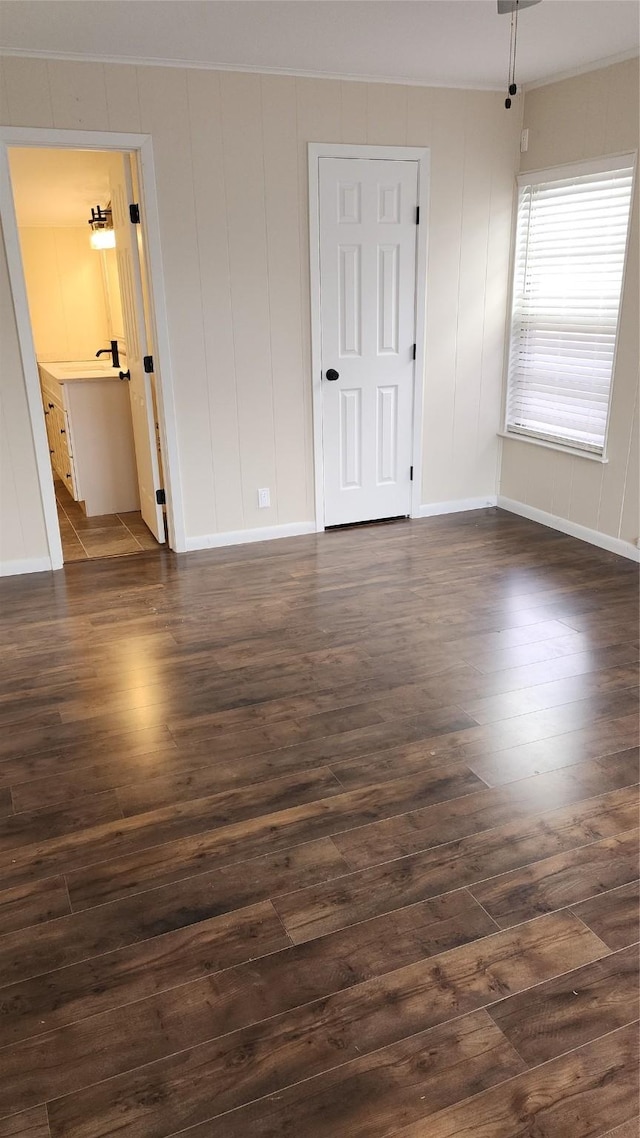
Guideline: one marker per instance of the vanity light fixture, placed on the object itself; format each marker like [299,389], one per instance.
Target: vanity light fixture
[102,232]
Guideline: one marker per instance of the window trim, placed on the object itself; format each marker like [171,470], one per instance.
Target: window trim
[601,165]
[591,455]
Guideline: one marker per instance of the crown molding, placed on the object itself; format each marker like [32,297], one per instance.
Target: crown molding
[295,73]
[597,65]
[188,64]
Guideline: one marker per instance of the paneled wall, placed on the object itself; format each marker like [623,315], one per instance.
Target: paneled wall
[22,533]
[66,288]
[586,117]
[230,154]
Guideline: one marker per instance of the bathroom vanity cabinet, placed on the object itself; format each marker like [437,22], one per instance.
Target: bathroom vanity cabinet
[88,418]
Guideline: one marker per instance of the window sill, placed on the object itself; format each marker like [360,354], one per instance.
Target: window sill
[575,452]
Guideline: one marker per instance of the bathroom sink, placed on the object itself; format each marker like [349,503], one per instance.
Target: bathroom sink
[66,370]
[86,365]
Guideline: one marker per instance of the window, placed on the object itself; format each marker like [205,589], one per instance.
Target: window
[569,260]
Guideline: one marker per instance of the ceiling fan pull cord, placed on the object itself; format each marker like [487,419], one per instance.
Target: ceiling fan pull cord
[507,101]
[513,87]
[513,46]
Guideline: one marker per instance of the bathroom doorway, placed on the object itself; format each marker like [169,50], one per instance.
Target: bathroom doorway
[91,317]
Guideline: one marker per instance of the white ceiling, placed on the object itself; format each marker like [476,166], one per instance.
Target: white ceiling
[58,187]
[440,42]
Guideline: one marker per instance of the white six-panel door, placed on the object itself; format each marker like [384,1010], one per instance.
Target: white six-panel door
[367,218]
[140,396]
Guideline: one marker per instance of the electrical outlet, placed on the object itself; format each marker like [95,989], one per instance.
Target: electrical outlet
[264,498]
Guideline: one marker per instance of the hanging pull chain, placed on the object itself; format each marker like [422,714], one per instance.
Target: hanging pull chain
[513,47]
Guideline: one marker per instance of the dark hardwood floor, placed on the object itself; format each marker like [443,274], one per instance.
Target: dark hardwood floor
[331,837]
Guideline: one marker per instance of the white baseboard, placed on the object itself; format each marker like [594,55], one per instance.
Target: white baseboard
[594,537]
[242,536]
[457,506]
[27,565]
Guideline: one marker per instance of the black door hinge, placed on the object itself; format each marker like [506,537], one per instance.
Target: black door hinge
[417,215]
[148,364]
[134,213]
[411,474]
[414,351]
[161,498]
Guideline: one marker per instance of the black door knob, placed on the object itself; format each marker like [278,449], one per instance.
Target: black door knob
[332,374]
[125,375]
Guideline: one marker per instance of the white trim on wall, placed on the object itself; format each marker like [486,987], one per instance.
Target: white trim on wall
[244,536]
[595,65]
[456,506]
[30,369]
[591,456]
[594,537]
[25,565]
[141,145]
[259,69]
[247,69]
[421,155]
[164,373]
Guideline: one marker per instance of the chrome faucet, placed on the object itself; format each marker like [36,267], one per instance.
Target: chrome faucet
[112,351]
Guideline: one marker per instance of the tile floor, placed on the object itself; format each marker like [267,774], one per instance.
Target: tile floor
[108,535]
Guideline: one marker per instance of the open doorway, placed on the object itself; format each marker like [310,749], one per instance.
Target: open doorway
[92,327]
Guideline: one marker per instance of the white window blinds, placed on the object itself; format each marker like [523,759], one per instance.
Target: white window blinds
[569,260]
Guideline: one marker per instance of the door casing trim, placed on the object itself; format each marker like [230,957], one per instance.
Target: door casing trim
[421,155]
[141,145]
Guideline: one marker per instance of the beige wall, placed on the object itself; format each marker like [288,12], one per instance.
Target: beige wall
[66,289]
[22,532]
[230,155]
[586,117]
[115,322]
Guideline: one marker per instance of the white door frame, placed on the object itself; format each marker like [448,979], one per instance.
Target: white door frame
[141,145]
[417,154]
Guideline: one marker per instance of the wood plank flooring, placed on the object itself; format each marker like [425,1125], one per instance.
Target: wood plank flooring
[333,837]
